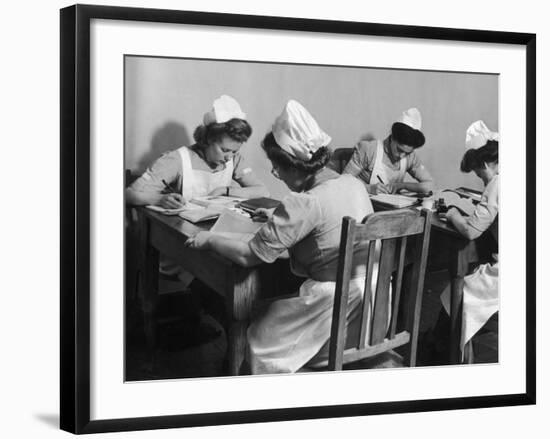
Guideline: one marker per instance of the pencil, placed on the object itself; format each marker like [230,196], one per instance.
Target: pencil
[380,180]
[170,188]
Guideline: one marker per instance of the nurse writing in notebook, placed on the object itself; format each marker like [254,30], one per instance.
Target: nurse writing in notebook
[209,167]
[383,164]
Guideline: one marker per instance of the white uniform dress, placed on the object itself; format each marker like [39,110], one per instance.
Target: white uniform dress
[293,330]
[481,298]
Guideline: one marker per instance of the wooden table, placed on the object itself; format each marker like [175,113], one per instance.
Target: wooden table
[450,250]
[240,286]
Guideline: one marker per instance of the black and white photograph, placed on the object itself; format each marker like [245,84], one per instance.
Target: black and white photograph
[293,217]
[238,178]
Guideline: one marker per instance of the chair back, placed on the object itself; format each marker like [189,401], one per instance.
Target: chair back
[387,235]
[340,158]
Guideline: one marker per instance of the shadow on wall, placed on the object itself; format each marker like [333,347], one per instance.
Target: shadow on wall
[170,136]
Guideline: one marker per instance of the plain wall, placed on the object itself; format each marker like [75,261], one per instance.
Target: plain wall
[167,97]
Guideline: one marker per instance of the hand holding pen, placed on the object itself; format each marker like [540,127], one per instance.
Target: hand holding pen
[382,188]
[171,199]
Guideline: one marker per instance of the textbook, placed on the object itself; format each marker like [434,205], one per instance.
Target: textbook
[466,206]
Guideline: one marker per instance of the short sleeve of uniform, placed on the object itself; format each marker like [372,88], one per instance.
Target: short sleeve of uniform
[292,221]
[167,167]
[414,165]
[361,163]
[487,209]
[240,167]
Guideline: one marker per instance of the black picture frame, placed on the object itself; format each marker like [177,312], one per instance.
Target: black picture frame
[75,216]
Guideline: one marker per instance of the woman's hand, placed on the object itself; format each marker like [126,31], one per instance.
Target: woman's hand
[200,241]
[262,214]
[171,201]
[379,188]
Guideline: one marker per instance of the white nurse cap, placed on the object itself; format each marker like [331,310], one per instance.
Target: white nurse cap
[223,109]
[478,134]
[297,132]
[412,118]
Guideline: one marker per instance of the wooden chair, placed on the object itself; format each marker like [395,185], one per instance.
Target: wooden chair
[394,229]
[340,158]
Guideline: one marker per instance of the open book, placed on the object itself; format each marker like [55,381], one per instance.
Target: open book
[452,199]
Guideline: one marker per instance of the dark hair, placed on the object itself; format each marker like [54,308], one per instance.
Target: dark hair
[406,135]
[237,129]
[475,158]
[284,160]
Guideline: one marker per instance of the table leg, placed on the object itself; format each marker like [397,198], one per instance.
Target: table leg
[245,288]
[236,346]
[458,269]
[150,292]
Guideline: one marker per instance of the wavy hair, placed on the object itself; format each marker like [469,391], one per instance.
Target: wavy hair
[475,158]
[238,130]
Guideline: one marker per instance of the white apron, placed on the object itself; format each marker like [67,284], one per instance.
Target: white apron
[198,183]
[294,330]
[480,300]
[386,174]
[195,183]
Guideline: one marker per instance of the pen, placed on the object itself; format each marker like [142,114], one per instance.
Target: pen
[170,188]
[380,180]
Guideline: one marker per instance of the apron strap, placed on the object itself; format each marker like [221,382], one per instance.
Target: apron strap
[187,179]
[379,169]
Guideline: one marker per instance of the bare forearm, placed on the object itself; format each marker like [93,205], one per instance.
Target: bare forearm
[460,224]
[139,198]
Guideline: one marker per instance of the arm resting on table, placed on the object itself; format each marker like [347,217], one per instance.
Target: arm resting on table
[460,224]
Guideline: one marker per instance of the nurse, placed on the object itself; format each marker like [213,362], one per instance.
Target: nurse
[293,330]
[480,287]
[209,167]
[383,164]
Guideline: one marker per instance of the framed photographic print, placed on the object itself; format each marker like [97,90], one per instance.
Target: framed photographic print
[169,120]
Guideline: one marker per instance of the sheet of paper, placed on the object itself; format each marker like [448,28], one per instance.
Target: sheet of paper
[233,222]
[217,200]
[165,211]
